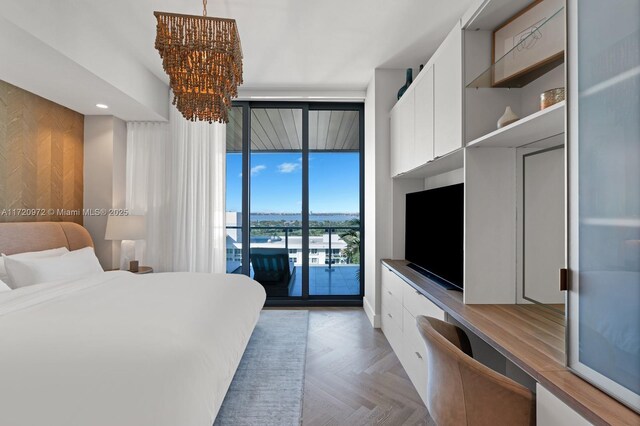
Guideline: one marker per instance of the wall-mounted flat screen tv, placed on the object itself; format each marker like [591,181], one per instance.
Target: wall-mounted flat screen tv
[434,234]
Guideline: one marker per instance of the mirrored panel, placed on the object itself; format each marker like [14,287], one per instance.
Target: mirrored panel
[542,216]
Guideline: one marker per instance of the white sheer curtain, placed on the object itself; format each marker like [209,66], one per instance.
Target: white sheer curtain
[176,176]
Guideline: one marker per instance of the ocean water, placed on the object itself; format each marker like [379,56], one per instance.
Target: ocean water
[290,217]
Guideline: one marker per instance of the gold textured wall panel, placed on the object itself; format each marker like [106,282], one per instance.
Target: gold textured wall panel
[41,158]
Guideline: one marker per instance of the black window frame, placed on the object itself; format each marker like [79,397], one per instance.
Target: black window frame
[306,299]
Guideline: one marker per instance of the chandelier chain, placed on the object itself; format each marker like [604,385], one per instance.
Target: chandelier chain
[204,7]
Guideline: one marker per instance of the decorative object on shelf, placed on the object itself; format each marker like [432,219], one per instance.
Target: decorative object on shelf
[507,118]
[407,83]
[421,67]
[531,41]
[203,58]
[551,97]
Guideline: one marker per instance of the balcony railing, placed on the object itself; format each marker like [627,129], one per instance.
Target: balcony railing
[289,231]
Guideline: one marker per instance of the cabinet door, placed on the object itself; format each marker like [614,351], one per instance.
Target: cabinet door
[448,94]
[402,134]
[423,139]
[604,198]
[395,149]
[551,411]
[408,131]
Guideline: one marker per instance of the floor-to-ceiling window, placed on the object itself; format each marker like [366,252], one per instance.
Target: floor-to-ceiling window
[334,202]
[294,198]
[234,191]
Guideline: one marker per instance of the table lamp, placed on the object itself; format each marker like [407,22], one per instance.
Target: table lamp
[126,229]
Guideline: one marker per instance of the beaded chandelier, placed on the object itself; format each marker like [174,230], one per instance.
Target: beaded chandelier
[203,58]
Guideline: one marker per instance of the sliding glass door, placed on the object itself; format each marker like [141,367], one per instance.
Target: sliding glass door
[235,191]
[275,195]
[334,203]
[294,198]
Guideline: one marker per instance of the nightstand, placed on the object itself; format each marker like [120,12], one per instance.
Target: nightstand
[144,270]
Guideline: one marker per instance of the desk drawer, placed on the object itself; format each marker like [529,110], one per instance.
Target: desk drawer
[392,310]
[392,285]
[417,304]
[415,355]
[392,329]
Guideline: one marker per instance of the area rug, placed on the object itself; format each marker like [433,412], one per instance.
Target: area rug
[268,386]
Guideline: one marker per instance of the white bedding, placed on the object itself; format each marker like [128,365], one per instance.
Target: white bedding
[122,349]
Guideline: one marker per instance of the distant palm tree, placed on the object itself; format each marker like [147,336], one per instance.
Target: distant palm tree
[352,250]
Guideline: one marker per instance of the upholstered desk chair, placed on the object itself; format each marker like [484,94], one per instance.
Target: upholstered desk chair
[462,391]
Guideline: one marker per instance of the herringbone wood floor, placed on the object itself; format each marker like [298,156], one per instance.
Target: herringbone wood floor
[353,377]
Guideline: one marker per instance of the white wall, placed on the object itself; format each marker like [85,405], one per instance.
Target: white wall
[105,150]
[378,198]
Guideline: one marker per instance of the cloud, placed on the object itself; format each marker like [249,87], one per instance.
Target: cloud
[255,170]
[288,167]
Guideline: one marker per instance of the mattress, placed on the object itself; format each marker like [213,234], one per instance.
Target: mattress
[116,348]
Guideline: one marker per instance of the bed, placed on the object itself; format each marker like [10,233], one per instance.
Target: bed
[115,348]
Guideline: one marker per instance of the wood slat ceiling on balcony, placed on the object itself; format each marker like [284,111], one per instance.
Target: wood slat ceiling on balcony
[281,130]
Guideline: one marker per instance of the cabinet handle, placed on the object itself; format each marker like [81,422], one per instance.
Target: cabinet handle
[390,294]
[389,315]
[418,355]
[564,279]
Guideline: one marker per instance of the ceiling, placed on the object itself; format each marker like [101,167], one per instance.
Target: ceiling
[302,43]
[327,45]
[280,129]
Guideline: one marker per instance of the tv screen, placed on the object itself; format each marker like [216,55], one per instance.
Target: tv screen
[434,233]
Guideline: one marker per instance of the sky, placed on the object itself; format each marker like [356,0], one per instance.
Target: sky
[276,182]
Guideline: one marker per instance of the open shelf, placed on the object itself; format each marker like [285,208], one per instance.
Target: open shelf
[532,128]
[489,78]
[451,161]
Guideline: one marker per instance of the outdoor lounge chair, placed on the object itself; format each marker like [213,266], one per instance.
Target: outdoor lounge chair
[274,270]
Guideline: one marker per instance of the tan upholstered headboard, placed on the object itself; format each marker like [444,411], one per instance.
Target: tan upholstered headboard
[20,237]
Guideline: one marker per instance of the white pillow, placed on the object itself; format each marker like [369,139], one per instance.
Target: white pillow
[29,255]
[4,287]
[75,264]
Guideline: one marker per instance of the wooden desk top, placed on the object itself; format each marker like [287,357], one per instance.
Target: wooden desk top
[530,336]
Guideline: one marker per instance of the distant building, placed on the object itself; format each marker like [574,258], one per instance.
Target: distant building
[318,245]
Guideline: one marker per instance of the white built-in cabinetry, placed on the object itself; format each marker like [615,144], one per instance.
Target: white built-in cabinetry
[423,119]
[448,95]
[443,131]
[426,123]
[402,129]
[401,303]
[551,411]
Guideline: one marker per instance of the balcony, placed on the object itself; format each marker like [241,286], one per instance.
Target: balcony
[334,270]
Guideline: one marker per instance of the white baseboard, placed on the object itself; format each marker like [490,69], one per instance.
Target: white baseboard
[373,318]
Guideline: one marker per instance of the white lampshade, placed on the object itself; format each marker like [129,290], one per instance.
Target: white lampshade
[125,228]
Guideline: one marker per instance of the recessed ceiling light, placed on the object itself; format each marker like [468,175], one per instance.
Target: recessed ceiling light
[102,106]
